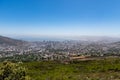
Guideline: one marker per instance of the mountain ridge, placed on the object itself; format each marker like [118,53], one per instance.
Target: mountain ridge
[10,41]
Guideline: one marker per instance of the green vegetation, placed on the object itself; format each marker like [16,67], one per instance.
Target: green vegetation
[12,71]
[23,58]
[105,69]
[108,69]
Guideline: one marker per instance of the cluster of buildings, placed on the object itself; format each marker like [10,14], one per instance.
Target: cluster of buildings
[60,49]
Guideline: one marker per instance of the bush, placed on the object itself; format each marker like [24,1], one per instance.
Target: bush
[12,71]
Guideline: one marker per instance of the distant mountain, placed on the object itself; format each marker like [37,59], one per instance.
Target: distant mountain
[10,41]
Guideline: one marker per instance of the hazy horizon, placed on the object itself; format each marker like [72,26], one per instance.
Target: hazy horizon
[60,18]
[64,38]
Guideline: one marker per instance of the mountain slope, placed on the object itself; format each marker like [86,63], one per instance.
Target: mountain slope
[10,41]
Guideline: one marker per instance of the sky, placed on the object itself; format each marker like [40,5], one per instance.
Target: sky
[60,18]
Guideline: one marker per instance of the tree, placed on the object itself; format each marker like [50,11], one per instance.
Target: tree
[12,71]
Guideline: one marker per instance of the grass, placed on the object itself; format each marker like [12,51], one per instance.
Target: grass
[107,69]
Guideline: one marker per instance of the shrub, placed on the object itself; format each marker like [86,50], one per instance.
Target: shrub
[12,71]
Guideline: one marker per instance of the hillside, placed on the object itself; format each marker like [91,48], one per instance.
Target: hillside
[10,41]
[75,70]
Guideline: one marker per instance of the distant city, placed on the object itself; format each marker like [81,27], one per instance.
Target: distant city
[59,50]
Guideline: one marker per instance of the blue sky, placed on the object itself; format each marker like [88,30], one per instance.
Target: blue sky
[60,17]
